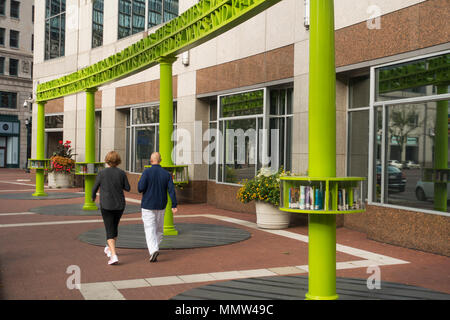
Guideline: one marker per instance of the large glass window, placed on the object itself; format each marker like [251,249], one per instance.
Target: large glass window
[409,144]
[212,139]
[54,121]
[2,36]
[15,9]
[154,13]
[2,7]
[280,125]
[13,67]
[170,9]
[410,137]
[358,127]
[55,28]
[8,100]
[143,135]
[13,38]
[97,23]
[2,65]
[131,17]
[411,79]
[251,134]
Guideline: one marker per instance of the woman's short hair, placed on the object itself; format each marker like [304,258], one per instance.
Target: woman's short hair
[112,158]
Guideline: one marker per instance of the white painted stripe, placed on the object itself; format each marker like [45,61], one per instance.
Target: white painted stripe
[16,213]
[20,183]
[32,224]
[100,291]
[110,289]
[22,190]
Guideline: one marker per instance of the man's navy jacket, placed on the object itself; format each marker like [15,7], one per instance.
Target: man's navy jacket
[155,182]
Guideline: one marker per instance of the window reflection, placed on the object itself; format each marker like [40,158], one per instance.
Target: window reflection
[416,156]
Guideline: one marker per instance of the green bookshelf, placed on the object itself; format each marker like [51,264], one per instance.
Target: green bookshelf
[38,163]
[436,175]
[88,168]
[312,195]
[179,173]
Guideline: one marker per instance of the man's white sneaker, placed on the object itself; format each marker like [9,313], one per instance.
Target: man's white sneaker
[154,256]
[113,260]
[107,252]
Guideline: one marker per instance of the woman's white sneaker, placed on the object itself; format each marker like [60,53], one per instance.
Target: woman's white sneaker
[113,260]
[107,252]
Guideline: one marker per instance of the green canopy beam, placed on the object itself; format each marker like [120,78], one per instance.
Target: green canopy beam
[200,23]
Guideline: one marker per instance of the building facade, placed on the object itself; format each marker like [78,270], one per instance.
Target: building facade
[241,101]
[16,85]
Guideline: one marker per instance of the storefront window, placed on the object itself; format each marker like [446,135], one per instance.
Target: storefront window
[411,148]
[411,144]
[251,135]
[53,122]
[142,134]
[411,79]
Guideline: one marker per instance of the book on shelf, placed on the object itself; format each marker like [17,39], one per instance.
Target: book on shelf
[306,198]
[349,199]
[302,198]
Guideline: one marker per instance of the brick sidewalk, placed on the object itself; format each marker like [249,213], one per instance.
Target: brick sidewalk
[35,254]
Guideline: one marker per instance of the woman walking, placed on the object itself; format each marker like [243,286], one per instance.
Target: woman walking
[111,181]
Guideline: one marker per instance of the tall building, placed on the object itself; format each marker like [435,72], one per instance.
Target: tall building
[16,73]
[392,60]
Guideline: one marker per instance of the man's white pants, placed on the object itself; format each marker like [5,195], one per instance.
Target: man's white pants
[154,228]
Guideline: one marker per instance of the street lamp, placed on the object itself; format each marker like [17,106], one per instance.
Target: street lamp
[28,103]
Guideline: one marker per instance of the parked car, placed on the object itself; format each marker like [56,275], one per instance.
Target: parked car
[396,179]
[396,163]
[412,165]
[425,190]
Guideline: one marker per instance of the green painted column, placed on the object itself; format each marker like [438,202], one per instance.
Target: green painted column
[165,130]
[441,149]
[89,180]
[322,147]
[40,146]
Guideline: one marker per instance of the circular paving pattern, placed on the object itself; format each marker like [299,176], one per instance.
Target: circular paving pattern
[190,235]
[76,209]
[50,195]
[295,288]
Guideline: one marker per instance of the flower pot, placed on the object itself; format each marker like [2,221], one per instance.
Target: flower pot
[270,217]
[60,180]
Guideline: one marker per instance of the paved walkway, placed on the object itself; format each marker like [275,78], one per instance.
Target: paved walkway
[41,255]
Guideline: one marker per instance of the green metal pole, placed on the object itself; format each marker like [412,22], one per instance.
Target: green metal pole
[40,146]
[322,147]
[441,149]
[89,180]
[165,131]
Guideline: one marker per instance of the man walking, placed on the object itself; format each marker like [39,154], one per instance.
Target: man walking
[155,183]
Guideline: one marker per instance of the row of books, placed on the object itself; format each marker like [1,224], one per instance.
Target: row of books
[89,168]
[312,198]
[38,164]
[346,203]
[306,198]
[178,175]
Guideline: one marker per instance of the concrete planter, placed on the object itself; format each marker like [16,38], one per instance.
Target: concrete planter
[270,217]
[60,180]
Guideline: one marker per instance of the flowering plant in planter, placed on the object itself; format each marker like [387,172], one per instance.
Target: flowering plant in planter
[62,161]
[264,187]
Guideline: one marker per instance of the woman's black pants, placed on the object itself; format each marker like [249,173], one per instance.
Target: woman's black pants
[111,219]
